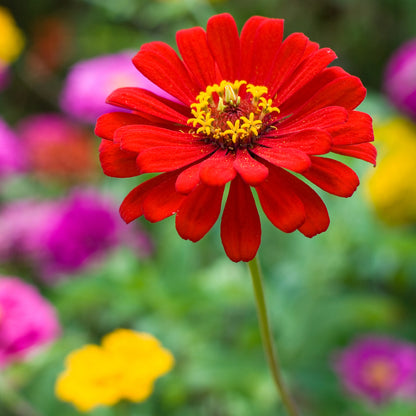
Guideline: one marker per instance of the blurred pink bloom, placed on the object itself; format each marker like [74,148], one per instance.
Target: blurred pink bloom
[58,149]
[89,83]
[27,320]
[12,159]
[400,78]
[378,368]
[57,238]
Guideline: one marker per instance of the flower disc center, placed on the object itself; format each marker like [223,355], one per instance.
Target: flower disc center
[380,374]
[232,114]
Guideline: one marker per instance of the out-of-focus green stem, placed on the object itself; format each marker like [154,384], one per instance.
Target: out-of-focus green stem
[13,402]
[267,338]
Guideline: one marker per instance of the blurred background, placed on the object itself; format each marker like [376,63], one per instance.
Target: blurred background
[60,231]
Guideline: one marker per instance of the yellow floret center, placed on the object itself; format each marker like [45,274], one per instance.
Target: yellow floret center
[232,114]
[380,374]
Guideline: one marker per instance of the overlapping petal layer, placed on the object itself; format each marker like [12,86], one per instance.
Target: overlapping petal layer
[310,113]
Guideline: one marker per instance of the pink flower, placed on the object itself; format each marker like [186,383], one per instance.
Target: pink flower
[11,158]
[60,237]
[58,149]
[27,320]
[89,83]
[378,368]
[400,78]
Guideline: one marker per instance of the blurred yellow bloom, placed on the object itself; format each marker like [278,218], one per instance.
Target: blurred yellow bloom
[11,37]
[392,187]
[125,366]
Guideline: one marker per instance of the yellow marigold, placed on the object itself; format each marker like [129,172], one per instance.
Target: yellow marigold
[11,37]
[392,188]
[125,366]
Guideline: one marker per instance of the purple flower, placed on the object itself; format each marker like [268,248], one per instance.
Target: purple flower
[27,320]
[61,237]
[378,368]
[89,83]
[86,227]
[12,159]
[400,78]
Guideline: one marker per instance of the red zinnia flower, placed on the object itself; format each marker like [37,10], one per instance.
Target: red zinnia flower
[250,110]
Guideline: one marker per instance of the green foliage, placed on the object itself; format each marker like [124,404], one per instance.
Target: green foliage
[357,278]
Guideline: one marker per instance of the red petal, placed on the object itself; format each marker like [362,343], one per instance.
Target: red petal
[311,47]
[224,43]
[168,158]
[162,200]
[358,129]
[158,62]
[248,44]
[252,171]
[310,141]
[280,202]
[117,163]
[188,180]
[332,176]
[288,158]
[321,119]
[143,101]
[240,224]
[347,92]
[199,212]
[364,151]
[307,70]
[132,206]
[260,40]
[108,123]
[218,169]
[317,219]
[137,138]
[193,46]
[287,59]
[299,98]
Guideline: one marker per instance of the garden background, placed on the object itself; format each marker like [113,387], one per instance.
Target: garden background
[356,279]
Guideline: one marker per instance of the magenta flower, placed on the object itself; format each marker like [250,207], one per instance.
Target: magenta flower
[27,320]
[378,369]
[11,159]
[400,78]
[89,83]
[64,236]
[58,149]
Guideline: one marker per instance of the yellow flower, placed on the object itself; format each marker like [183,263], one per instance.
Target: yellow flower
[11,37]
[125,366]
[392,188]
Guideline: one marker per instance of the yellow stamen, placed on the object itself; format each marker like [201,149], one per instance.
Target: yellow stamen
[219,113]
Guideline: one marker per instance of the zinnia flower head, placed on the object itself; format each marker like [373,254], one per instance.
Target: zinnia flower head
[89,82]
[378,368]
[27,320]
[392,188]
[66,235]
[57,148]
[11,151]
[253,109]
[125,366]
[400,78]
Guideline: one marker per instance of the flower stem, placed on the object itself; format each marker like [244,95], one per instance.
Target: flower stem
[13,402]
[266,335]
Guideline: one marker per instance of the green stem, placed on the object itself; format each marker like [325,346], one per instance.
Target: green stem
[13,402]
[267,337]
